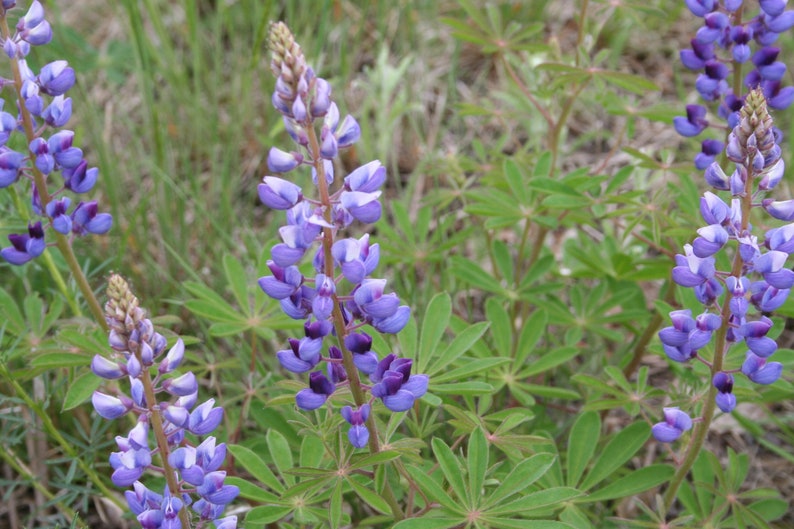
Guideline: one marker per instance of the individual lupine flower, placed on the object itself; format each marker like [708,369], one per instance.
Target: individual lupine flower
[760,370]
[87,219]
[687,335]
[25,247]
[281,161]
[33,28]
[726,400]
[358,433]
[356,258]
[676,422]
[302,356]
[320,388]
[710,149]
[396,386]
[56,210]
[360,344]
[694,123]
[277,193]
[10,164]
[692,270]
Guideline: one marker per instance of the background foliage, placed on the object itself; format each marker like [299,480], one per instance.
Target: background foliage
[536,194]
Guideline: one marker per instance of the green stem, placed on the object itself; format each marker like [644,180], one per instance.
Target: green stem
[55,434]
[62,242]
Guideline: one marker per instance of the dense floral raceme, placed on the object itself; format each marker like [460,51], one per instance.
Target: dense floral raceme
[341,297]
[759,280]
[729,39]
[194,479]
[35,148]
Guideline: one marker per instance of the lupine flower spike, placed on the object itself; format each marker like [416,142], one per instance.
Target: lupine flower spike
[341,297]
[759,278]
[43,107]
[194,493]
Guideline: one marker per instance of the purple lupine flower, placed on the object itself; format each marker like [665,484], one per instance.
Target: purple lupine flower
[692,270]
[360,344]
[763,279]
[396,386]
[726,401]
[358,433]
[302,356]
[87,219]
[760,370]
[56,210]
[277,193]
[280,161]
[676,422]
[694,123]
[320,388]
[10,164]
[25,247]
[710,149]
[33,28]
[56,78]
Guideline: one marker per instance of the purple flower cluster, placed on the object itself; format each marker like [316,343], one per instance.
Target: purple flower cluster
[305,102]
[42,105]
[759,281]
[190,471]
[720,47]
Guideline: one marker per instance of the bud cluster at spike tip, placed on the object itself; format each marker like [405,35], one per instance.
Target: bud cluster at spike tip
[138,350]
[728,39]
[308,111]
[51,154]
[764,281]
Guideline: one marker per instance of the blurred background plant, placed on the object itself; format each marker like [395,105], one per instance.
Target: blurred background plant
[534,177]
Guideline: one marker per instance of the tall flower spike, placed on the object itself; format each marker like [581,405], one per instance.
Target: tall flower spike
[192,474]
[340,294]
[760,276]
